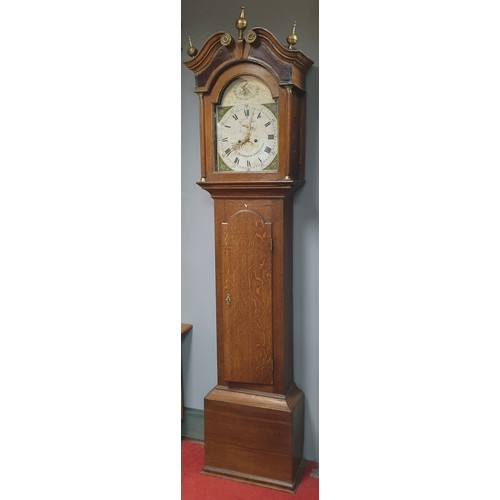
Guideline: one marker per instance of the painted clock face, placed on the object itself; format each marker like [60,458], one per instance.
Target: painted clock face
[247,128]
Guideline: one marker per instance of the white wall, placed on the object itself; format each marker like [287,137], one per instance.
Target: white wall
[199,363]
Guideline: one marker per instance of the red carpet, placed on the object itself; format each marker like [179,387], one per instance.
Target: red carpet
[197,486]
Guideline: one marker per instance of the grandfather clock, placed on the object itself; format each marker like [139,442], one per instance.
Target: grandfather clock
[251,92]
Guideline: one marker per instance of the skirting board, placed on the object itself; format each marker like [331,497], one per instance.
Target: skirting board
[193,424]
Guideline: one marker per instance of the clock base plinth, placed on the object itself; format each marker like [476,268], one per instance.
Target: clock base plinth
[255,437]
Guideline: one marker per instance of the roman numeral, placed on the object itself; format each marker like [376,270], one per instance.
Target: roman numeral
[260,112]
[236,161]
[247,112]
[228,150]
[270,136]
[248,163]
[267,124]
[224,139]
[235,116]
[267,149]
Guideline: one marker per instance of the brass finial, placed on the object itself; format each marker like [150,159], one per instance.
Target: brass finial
[241,23]
[192,51]
[292,37]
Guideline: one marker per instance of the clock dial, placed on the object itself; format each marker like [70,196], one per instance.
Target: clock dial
[247,128]
[247,138]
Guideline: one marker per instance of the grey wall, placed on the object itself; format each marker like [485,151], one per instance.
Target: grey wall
[199,363]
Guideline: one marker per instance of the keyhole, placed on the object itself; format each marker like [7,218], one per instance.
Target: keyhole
[228,298]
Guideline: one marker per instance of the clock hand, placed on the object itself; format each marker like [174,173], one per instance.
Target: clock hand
[237,145]
[248,126]
[246,137]
[250,122]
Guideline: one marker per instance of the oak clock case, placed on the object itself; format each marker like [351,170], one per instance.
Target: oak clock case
[252,124]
